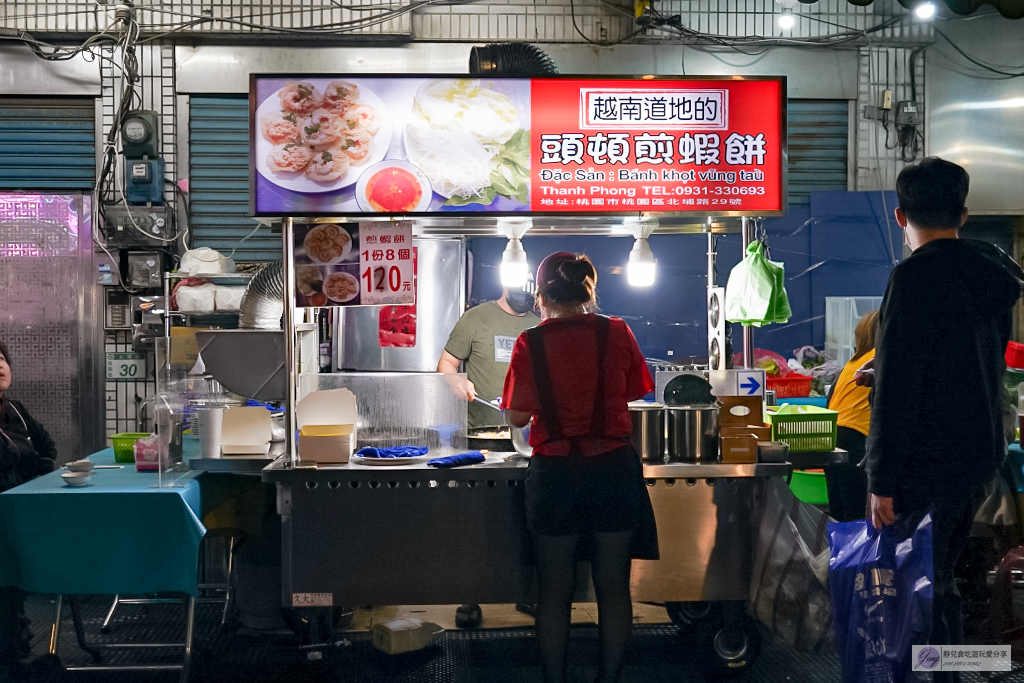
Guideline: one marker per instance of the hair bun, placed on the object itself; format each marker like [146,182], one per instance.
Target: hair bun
[576,271]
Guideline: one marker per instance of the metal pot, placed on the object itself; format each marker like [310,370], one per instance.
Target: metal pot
[648,435]
[692,433]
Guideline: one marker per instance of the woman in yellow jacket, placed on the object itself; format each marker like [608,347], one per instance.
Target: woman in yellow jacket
[847,483]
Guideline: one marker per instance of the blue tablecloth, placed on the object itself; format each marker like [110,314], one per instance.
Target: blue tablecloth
[118,534]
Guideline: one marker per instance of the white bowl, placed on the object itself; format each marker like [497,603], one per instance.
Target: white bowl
[81,465]
[76,478]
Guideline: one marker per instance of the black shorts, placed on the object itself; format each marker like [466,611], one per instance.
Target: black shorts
[577,494]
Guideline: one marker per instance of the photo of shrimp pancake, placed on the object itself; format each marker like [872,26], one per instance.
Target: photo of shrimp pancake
[327,244]
[341,287]
[319,135]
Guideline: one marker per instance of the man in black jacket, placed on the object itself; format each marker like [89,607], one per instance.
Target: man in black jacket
[936,423]
[26,451]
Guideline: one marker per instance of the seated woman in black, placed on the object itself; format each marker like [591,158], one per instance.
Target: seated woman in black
[26,451]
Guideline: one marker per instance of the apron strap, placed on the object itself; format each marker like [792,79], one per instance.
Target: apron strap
[542,384]
[597,422]
[544,389]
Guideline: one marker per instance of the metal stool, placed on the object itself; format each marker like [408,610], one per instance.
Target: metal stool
[234,538]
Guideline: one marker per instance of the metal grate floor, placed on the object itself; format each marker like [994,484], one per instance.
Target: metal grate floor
[657,653]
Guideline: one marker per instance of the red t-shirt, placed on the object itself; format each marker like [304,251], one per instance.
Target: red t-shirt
[571,350]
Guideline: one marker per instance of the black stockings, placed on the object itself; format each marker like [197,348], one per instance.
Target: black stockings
[556,575]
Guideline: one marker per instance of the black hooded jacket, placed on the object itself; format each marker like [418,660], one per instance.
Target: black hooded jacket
[936,417]
[26,449]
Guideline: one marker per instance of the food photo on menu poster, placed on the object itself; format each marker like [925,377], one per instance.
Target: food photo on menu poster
[393,145]
[354,264]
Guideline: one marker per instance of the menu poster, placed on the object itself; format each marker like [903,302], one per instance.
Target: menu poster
[354,264]
[330,145]
[386,263]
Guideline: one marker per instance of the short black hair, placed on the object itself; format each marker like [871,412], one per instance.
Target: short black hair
[933,193]
[6,355]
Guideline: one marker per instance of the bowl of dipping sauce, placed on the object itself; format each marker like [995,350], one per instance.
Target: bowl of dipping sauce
[76,478]
[80,465]
[393,186]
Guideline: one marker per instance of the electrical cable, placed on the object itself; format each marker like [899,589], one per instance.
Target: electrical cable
[974,60]
[239,242]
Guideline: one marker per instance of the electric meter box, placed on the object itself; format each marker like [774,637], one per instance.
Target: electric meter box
[145,269]
[136,226]
[144,181]
[140,134]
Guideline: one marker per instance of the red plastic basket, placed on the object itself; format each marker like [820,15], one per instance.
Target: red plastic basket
[795,386]
[1015,355]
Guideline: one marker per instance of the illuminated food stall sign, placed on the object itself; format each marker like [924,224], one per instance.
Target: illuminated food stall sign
[340,145]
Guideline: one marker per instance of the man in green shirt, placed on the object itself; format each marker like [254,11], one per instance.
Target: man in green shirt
[483,339]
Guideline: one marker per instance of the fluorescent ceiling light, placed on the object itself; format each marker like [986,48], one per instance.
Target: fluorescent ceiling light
[925,11]
[514,268]
[641,268]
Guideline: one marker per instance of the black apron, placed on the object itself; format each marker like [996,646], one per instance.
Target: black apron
[644,545]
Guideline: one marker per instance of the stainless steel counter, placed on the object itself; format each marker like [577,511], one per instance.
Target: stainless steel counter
[413,534]
[509,466]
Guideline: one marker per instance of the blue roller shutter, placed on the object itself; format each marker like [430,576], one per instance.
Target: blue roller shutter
[818,147]
[47,144]
[219,179]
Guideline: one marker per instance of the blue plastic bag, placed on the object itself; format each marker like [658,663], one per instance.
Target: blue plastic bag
[881,585]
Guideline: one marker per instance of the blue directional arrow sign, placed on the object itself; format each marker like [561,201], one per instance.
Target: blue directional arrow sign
[750,382]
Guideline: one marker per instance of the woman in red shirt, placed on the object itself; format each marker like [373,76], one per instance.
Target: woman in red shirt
[574,374]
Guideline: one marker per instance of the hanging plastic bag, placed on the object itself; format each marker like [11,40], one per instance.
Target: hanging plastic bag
[789,591]
[748,294]
[881,583]
[780,311]
[754,294]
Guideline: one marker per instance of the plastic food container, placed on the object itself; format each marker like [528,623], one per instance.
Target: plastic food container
[124,445]
[809,486]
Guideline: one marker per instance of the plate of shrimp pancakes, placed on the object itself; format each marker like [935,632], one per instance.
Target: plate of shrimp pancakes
[318,136]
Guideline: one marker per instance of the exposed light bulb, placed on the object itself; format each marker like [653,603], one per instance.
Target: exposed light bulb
[925,11]
[514,269]
[786,20]
[641,268]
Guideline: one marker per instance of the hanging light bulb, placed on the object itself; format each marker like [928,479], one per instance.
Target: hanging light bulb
[787,20]
[514,268]
[925,11]
[641,268]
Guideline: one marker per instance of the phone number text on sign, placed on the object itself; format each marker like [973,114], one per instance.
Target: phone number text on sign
[386,263]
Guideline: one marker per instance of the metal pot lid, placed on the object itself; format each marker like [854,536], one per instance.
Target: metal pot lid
[640,406]
[688,390]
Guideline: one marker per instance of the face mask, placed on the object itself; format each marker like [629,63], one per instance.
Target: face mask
[520,302]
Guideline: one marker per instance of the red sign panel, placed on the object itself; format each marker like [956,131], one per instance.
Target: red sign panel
[657,146]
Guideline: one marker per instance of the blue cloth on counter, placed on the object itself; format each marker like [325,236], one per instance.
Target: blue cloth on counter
[470,458]
[393,452]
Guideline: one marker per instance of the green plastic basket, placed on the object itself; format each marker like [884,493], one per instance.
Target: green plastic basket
[809,486]
[124,445]
[804,428]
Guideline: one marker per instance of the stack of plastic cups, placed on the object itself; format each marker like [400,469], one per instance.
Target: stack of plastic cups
[211,421]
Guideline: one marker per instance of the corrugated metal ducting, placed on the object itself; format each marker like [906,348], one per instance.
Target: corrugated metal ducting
[819,138]
[47,144]
[219,179]
[219,176]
